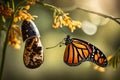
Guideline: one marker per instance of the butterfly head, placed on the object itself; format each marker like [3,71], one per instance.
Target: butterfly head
[68,40]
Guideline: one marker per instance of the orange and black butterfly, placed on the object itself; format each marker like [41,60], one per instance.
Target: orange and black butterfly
[78,51]
[33,52]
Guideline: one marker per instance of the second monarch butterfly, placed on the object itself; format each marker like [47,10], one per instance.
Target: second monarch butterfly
[78,51]
[33,52]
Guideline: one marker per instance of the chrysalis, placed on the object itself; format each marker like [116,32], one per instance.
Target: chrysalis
[33,51]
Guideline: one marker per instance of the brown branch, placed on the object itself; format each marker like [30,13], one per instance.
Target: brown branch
[103,15]
[117,20]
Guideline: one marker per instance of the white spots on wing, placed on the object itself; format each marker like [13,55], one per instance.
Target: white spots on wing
[93,49]
[101,55]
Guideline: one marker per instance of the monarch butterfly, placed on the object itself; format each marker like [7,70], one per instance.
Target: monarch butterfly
[78,51]
[33,51]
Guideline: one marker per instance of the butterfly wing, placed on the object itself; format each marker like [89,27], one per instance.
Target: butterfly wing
[78,51]
[73,56]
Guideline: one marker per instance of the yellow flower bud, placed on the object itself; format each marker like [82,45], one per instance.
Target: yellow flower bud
[16,19]
[27,7]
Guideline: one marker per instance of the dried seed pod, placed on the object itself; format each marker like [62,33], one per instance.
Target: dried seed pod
[33,51]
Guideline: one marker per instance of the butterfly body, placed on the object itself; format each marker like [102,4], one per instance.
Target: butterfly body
[33,52]
[78,51]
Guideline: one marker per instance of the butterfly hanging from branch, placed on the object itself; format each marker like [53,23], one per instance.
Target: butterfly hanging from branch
[78,51]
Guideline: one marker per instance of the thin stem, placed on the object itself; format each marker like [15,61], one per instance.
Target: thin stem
[47,5]
[4,50]
[59,44]
[97,13]
[8,4]
[5,45]
[13,5]
[117,18]
[6,40]
[54,46]
[100,14]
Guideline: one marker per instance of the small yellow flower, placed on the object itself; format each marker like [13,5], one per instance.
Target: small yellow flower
[31,2]
[15,40]
[1,8]
[17,46]
[77,23]
[9,12]
[5,11]
[62,19]
[27,7]
[15,43]
[56,25]
[16,19]
[24,15]
[13,37]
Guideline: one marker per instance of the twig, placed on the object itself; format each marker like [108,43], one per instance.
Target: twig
[46,5]
[117,20]
[100,14]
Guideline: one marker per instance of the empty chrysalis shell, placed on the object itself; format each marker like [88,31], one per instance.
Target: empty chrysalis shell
[33,51]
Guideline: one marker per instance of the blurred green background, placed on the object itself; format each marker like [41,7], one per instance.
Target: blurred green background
[107,38]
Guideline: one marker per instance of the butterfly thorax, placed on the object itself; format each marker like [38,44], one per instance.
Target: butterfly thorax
[68,40]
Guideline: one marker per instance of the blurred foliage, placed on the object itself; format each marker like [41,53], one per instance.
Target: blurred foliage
[115,60]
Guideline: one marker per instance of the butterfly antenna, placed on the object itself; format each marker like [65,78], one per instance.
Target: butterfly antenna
[59,44]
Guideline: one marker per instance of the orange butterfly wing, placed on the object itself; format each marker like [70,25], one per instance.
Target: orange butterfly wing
[79,51]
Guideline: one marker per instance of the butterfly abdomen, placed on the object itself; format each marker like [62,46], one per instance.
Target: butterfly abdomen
[33,52]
